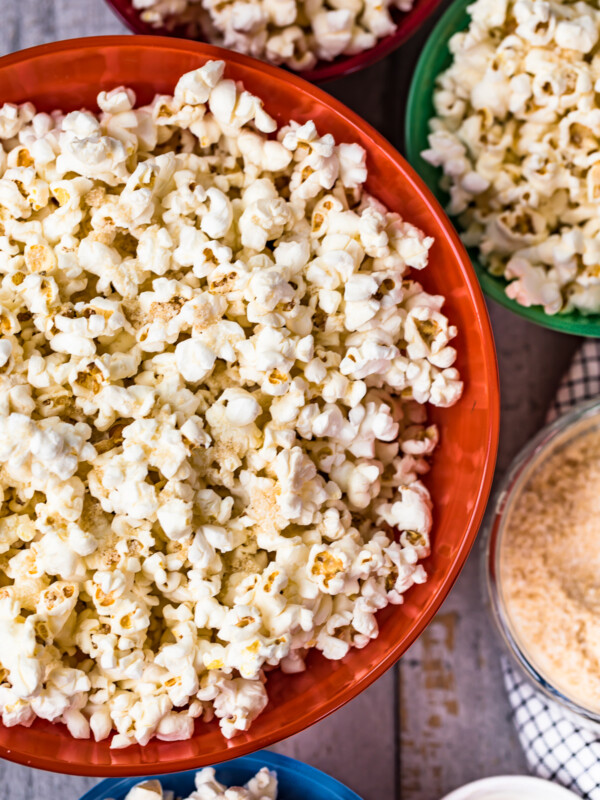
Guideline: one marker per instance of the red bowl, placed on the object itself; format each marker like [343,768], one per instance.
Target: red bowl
[406,25]
[68,75]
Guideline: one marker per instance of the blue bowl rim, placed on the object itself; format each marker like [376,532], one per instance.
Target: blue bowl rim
[116,788]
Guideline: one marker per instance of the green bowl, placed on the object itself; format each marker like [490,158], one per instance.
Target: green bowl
[435,58]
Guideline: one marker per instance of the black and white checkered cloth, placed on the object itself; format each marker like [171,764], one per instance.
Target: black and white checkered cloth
[556,745]
[581,382]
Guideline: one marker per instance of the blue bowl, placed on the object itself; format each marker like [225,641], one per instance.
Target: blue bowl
[297,781]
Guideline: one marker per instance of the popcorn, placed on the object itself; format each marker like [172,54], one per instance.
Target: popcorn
[23,669]
[263,786]
[175,517]
[515,134]
[5,351]
[285,31]
[238,703]
[195,360]
[210,383]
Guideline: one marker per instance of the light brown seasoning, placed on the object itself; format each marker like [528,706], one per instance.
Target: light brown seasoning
[94,198]
[549,568]
[166,311]
[264,506]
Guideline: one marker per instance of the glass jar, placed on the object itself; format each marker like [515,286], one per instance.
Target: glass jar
[563,432]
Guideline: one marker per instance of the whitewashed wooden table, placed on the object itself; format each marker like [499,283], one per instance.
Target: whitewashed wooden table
[440,717]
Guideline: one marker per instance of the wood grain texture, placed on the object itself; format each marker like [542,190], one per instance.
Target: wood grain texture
[356,745]
[26,23]
[452,722]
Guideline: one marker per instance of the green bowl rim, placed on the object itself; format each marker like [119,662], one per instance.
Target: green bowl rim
[419,110]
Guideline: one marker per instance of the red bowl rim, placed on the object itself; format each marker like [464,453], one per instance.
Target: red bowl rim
[417,186]
[407,25]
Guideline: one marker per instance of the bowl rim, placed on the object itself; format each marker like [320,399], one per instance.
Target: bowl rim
[531,456]
[536,788]
[415,184]
[324,71]
[420,95]
[261,758]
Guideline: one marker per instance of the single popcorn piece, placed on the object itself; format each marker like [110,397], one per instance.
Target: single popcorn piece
[214,362]
[516,136]
[287,32]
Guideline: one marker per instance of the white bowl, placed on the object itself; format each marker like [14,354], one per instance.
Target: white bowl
[511,787]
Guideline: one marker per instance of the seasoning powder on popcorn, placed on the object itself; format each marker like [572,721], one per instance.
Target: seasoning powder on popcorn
[213,371]
[549,567]
[516,133]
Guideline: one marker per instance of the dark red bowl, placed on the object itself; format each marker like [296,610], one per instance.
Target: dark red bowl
[406,25]
[68,75]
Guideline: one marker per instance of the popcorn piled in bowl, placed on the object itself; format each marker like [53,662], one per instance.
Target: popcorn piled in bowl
[295,33]
[263,786]
[213,371]
[516,134]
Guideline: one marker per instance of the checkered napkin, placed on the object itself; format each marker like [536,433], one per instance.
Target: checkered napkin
[555,745]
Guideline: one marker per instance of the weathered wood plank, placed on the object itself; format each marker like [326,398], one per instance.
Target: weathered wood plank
[85,18]
[29,23]
[23,783]
[364,92]
[26,23]
[356,745]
